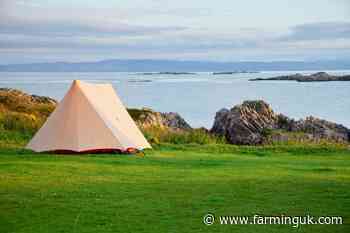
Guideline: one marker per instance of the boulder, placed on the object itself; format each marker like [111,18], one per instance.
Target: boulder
[221,122]
[174,120]
[245,123]
[147,118]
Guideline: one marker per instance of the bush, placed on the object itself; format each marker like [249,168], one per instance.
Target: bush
[43,110]
[156,135]
[266,132]
[23,123]
[13,138]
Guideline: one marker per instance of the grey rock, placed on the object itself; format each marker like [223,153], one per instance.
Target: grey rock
[221,122]
[322,129]
[147,118]
[175,121]
[245,124]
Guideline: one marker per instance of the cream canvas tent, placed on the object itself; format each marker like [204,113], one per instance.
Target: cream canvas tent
[90,117]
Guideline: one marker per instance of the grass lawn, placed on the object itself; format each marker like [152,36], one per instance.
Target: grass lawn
[172,188]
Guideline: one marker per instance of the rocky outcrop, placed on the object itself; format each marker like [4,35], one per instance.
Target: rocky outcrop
[245,123]
[12,95]
[253,122]
[316,77]
[23,112]
[18,102]
[147,118]
[316,128]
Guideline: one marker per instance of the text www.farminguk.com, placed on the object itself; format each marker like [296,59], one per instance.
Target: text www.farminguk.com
[295,221]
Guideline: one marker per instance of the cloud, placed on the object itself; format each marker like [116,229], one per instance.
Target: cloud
[319,31]
[43,21]
[42,28]
[59,32]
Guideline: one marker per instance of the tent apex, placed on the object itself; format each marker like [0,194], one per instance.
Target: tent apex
[76,82]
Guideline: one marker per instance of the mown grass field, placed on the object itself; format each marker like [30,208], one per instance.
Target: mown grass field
[172,188]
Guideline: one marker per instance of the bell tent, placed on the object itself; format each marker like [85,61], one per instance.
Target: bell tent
[90,118]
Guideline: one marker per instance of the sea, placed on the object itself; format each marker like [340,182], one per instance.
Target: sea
[197,97]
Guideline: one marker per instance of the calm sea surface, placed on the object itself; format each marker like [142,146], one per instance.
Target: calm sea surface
[198,97]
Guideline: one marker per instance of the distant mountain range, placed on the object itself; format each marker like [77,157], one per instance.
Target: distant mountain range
[149,65]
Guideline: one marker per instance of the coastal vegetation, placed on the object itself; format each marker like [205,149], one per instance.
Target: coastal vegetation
[252,123]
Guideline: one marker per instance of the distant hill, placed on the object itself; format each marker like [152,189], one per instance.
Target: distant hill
[149,65]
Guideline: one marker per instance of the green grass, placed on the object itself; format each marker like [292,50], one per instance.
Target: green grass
[172,188]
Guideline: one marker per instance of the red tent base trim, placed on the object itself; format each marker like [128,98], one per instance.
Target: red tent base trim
[98,151]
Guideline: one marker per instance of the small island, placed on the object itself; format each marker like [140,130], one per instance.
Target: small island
[235,72]
[316,77]
[139,80]
[167,73]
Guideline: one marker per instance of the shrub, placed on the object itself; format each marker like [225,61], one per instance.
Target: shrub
[156,135]
[266,132]
[24,123]
[43,110]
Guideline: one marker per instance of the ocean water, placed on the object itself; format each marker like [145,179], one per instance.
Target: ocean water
[198,97]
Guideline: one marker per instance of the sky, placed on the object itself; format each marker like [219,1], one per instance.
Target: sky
[221,30]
